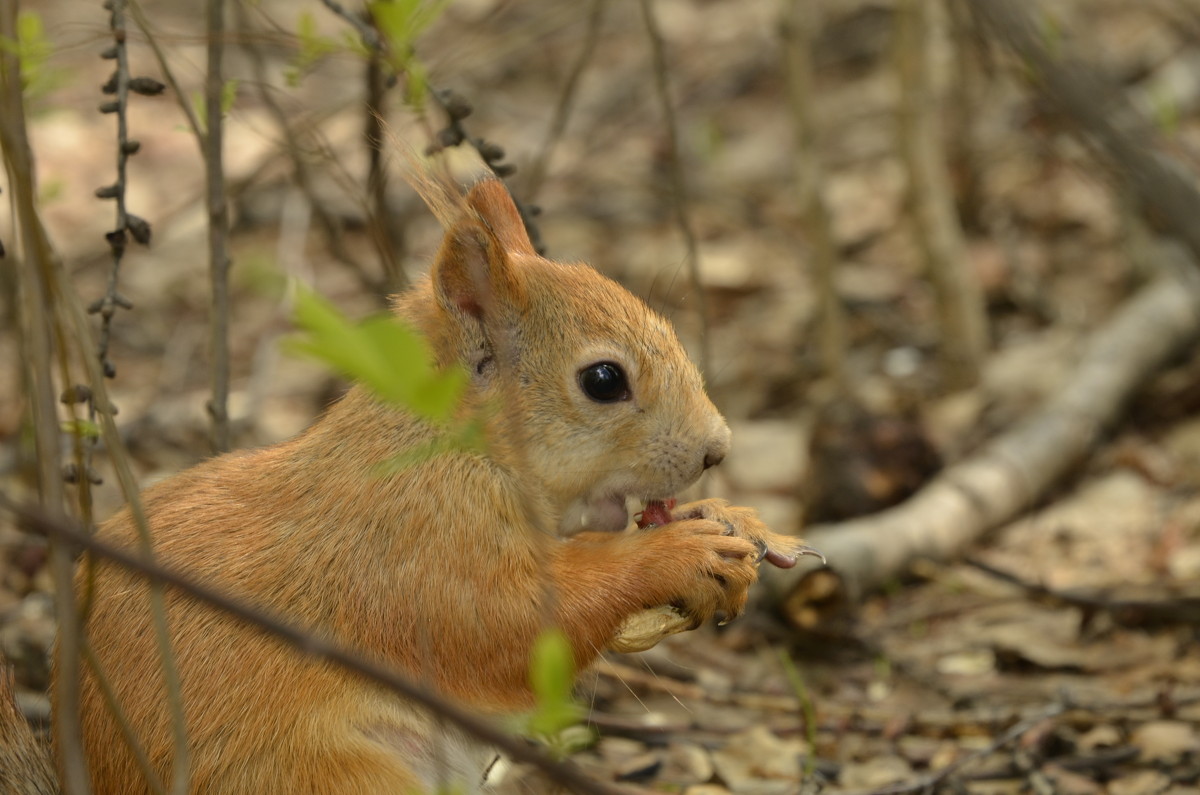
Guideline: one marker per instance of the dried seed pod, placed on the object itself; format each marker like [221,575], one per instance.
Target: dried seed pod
[131,147]
[79,393]
[116,241]
[110,86]
[110,53]
[457,108]
[490,152]
[110,107]
[107,192]
[110,369]
[146,86]
[139,228]
[450,136]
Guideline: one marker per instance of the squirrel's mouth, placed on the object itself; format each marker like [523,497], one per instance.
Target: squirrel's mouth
[605,514]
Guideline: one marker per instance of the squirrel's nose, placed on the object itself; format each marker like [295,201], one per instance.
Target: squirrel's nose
[718,442]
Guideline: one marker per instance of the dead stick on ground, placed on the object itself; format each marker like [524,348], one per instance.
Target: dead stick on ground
[1142,614]
[1015,470]
[930,782]
[994,485]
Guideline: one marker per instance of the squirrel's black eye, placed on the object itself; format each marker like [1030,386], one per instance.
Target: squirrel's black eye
[604,382]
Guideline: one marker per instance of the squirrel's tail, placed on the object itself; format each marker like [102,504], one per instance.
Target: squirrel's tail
[25,767]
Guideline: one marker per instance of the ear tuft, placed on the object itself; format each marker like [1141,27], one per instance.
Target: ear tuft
[494,205]
[462,272]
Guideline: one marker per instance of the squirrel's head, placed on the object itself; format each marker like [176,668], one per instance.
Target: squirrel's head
[596,399]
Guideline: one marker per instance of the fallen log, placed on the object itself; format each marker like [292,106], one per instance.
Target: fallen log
[1015,470]
[1010,473]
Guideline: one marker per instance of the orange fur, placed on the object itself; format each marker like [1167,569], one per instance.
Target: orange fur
[446,570]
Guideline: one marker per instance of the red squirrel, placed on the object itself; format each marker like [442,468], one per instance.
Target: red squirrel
[446,570]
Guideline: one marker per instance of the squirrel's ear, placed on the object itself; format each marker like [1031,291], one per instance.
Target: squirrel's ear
[495,207]
[472,272]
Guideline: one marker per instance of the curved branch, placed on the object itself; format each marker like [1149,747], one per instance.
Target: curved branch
[1015,470]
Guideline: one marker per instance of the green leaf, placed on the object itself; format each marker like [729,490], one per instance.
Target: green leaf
[383,353]
[228,95]
[400,23]
[33,51]
[416,84]
[313,47]
[200,106]
[84,429]
[551,674]
[466,438]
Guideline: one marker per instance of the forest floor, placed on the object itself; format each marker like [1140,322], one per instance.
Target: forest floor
[1062,656]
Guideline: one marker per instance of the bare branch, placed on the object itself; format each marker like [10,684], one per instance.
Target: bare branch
[330,225]
[537,169]
[1105,116]
[1014,470]
[386,233]
[798,30]
[678,188]
[135,11]
[961,314]
[218,226]
[365,30]
[33,277]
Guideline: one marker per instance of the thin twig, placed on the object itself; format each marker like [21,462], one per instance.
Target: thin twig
[218,226]
[798,30]
[100,407]
[73,324]
[1138,613]
[106,306]
[71,534]
[386,232]
[456,108]
[566,99]
[118,714]
[365,30]
[330,225]
[961,313]
[677,187]
[1104,115]
[33,276]
[164,66]
[930,782]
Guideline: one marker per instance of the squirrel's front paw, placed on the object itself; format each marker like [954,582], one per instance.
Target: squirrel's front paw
[712,569]
[779,550]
